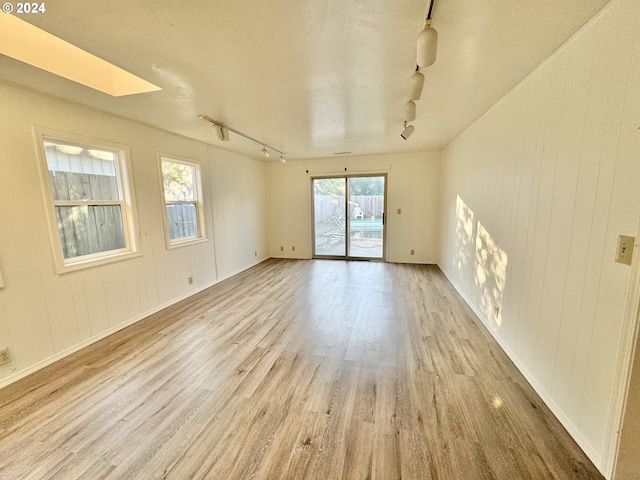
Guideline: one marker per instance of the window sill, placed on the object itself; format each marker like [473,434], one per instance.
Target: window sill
[187,242]
[96,262]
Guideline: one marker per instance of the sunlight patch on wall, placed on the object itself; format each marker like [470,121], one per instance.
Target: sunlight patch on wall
[465,222]
[29,44]
[478,256]
[491,275]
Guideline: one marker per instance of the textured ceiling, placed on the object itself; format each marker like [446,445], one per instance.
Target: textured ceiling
[311,78]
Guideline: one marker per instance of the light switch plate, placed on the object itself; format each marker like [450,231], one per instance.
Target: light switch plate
[624,253]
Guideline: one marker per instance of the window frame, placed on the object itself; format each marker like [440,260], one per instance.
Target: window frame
[198,202]
[122,164]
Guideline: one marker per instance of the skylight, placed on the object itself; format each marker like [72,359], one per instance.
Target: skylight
[32,45]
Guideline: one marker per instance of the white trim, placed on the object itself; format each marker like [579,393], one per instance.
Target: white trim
[1,279]
[124,177]
[240,270]
[184,242]
[90,261]
[88,203]
[65,353]
[575,433]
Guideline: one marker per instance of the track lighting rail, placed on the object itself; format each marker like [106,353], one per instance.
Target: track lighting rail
[207,118]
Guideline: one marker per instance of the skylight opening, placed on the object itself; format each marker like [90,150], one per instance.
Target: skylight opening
[29,44]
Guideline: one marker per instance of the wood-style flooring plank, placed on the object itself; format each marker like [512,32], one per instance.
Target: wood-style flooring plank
[291,370]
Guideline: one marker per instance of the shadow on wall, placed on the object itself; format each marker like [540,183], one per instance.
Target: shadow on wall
[478,255]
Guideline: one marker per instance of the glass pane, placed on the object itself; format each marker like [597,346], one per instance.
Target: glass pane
[85,230]
[77,173]
[329,216]
[366,207]
[182,221]
[179,182]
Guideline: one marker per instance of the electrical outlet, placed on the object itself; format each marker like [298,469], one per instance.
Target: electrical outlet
[293,249]
[399,211]
[496,310]
[281,248]
[413,252]
[190,280]
[5,356]
[255,254]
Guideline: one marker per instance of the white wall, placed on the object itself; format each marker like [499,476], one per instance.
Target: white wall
[44,316]
[628,466]
[534,195]
[412,186]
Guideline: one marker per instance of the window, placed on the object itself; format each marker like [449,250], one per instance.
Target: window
[91,212]
[182,199]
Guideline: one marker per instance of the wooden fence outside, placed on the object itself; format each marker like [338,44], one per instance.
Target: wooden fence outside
[326,206]
[85,230]
[182,221]
[90,229]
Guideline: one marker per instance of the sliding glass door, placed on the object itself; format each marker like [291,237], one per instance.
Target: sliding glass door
[366,217]
[348,217]
[329,216]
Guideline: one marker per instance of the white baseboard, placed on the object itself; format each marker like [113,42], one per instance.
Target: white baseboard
[575,433]
[85,343]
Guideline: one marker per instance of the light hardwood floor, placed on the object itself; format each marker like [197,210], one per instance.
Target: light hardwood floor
[293,369]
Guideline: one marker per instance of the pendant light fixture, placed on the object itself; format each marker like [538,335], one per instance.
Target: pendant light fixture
[222,132]
[427,42]
[415,86]
[426,49]
[427,45]
[410,111]
[408,131]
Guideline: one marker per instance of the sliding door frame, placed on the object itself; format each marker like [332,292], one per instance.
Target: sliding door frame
[347,256]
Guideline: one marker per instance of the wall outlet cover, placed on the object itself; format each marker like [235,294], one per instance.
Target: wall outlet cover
[5,356]
[624,252]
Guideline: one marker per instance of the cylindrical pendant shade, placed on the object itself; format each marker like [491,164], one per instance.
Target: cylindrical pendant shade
[427,47]
[415,86]
[408,130]
[409,111]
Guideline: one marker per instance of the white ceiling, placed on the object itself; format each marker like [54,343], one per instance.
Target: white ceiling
[309,77]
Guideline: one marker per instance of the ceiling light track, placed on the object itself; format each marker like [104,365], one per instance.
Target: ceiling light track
[427,44]
[430,12]
[222,132]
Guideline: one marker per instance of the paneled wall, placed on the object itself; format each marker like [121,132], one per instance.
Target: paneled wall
[628,466]
[534,195]
[44,316]
[412,186]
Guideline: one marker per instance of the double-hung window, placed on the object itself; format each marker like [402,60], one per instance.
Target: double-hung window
[91,208]
[182,198]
